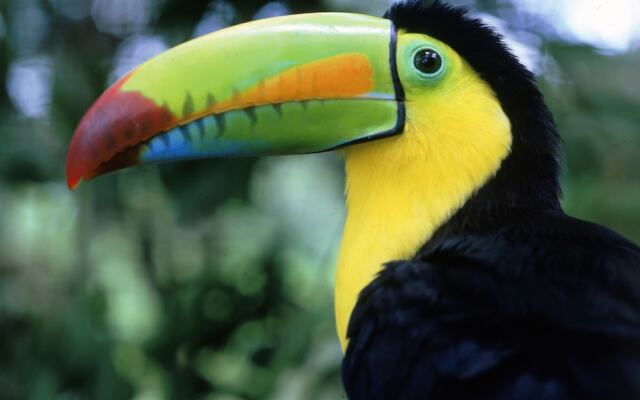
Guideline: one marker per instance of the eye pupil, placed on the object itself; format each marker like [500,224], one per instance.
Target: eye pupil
[428,61]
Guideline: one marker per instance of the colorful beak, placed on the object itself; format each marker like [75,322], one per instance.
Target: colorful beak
[296,84]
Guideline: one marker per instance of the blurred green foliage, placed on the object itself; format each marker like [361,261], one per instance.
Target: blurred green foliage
[211,279]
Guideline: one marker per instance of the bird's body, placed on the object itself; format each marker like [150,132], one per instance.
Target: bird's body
[460,277]
[532,305]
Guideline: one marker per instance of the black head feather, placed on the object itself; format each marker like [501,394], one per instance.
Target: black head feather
[529,177]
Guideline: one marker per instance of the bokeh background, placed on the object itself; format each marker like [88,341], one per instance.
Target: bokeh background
[213,279]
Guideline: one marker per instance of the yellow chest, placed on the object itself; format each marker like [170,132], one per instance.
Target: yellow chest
[401,189]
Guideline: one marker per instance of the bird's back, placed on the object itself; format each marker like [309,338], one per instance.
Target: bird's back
[542,306]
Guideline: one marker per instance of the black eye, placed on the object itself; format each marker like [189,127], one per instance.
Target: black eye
[428,61]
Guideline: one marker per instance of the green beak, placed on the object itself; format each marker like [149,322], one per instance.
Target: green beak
[296,84]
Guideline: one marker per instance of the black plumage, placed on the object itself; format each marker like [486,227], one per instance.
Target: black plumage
[542,306]
[511,298]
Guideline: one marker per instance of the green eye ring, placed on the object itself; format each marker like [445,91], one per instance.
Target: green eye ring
[428,62]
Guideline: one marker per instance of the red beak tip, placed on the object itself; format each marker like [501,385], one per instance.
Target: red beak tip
[72,184]
[73,180]
[74,171]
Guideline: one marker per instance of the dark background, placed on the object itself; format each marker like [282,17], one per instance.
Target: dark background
[213,279]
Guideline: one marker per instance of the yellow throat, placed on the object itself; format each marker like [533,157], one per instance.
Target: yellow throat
[401,189]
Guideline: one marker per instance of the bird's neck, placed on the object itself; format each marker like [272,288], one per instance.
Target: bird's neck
[400,190]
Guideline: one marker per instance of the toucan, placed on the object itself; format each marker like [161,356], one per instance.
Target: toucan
[459,274]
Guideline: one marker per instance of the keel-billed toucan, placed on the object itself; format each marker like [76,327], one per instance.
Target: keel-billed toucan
[459,277]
